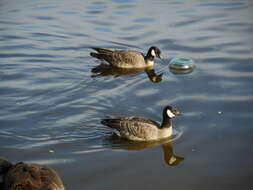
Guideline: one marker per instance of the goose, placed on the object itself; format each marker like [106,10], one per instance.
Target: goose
[127,58]
[141,129]
[28,176]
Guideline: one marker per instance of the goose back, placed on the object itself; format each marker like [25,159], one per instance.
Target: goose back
[122,58]
[134,128]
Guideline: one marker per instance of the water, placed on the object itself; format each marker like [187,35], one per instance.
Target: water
[52,102]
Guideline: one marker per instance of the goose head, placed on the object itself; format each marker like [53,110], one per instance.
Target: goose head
[153,52]
[170,111]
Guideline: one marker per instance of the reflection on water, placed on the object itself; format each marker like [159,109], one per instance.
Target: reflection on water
[153,77]
[168,154]
[181,72]
[108,70]
[169,157]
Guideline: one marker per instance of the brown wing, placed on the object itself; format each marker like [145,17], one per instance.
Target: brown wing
[136,126]
[121,58]
[32,177]
[127,58]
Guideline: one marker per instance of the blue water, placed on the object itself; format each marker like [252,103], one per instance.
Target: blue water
[51,101]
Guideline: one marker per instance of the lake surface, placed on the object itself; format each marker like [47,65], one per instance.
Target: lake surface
[51,101]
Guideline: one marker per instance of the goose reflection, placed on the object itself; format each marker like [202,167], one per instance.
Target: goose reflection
[108,70]
[168,154]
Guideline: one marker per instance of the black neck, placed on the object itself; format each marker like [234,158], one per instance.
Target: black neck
[166,122]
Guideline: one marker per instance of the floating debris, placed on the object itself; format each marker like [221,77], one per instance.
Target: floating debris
[181,65]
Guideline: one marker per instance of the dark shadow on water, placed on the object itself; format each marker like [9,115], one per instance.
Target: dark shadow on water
[169,157]
[103,70]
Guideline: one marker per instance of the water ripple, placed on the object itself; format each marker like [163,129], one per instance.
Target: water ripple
[222,4]
[47,35]
[22,55]
[50,101]
[46,18]
[144,20]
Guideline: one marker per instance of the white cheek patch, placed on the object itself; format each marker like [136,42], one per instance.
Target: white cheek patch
[173,159]
[170,114]
[153,53]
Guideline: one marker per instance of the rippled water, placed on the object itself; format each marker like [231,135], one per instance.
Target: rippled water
[52,102]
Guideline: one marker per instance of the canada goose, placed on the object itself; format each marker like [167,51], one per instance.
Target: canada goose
[141,129]
[127,58]
[24,176]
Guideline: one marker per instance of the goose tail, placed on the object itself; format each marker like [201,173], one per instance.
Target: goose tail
[105,121]
[95,55]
